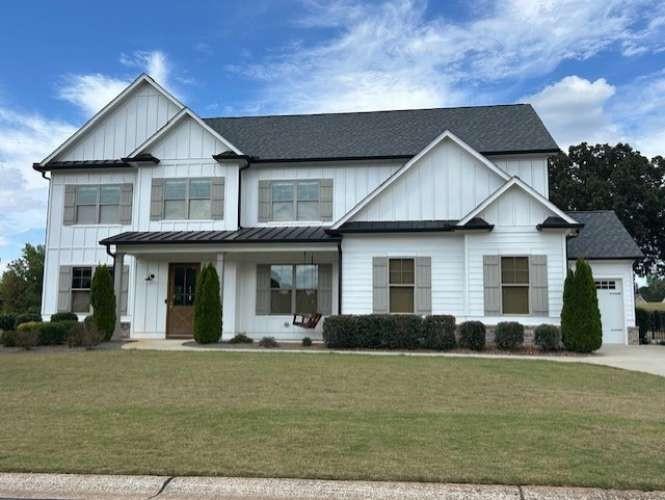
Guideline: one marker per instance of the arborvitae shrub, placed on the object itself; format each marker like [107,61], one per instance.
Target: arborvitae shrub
[207,307]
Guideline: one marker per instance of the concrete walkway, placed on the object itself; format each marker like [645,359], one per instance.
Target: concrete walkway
[642,358]
[75,486]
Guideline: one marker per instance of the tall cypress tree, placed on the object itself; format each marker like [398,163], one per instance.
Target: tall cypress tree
[207,307]
[568,310]
[590,326]
[102,298]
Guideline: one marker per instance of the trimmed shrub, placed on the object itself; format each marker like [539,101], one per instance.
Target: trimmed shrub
[29,326]
[548,337]
[268,342]
[7,322]
[581,327]
[64,316]
[27,317]
[55,333]
[84,335]
[339,331]
[8,338]
[472,335]
[306,342]
[207,307]
[102,298]
[509,335]
[403,331]
[439,333]
[27,339]
[371,331]
[240,338]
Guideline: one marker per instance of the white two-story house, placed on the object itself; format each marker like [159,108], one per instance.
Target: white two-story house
[432,211]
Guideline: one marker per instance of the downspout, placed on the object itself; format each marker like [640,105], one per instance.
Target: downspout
[339,277]
[247,162]
[48,216]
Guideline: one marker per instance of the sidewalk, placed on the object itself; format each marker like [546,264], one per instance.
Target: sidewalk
[73,486]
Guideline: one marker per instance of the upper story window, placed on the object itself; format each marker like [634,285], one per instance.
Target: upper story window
[515,285]
[295,200]
[98,204]
[187,198]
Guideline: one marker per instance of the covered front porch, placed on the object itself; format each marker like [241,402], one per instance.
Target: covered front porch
[263,283]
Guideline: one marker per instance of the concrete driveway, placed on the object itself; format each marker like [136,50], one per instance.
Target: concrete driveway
[641,358]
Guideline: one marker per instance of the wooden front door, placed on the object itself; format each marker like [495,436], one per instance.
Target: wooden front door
[180,301]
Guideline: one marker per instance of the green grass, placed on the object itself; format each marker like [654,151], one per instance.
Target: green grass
[331,416]
[652,306]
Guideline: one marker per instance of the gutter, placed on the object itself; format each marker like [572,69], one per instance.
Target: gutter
[230,157]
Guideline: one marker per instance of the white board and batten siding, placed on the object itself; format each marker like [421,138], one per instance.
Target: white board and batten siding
[351,183]
[532,169]
[125,127]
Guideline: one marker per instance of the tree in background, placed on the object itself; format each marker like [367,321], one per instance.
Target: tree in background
[102,298]
[655,289]
[207,307]
[604,177]
[21,283]
[581,327]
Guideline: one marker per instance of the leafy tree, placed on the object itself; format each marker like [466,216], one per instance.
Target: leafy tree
[21,283]
[102,298]
[581,326]
[604,177]
[655,289]
[207,307]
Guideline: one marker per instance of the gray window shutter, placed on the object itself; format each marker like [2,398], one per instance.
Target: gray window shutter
[124,293]
[326,199]
[538,285]
[325,289]
[265,207]
[262,289]
[217,198]
[69,213]
[157,199]
[492,284]
[423,298]
[65,289]
[380,285]
[126,192]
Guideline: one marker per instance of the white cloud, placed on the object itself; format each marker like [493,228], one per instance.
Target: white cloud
[390,55]
[155,63]
[574,110]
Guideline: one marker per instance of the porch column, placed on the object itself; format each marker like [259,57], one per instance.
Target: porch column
[230,282]
[118,262]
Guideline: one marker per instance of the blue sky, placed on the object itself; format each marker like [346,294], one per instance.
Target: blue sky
[594,70]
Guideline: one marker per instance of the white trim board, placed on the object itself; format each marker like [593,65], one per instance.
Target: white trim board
[447,134]
[108,108]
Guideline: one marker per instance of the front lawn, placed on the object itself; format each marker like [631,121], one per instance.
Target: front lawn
[331,416]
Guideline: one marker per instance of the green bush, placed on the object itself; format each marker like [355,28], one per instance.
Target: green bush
[27,339]
[8,338]
[55,333]
[64,316]
[7,322]
[509,335]
[27,317]
[472,335]
[338,331]
[306,342]
[581,328]
[439,332]
[84,335]
[268,342]
[29,326]
[548,337]
[207,307]
[102,298]
[240,338]
[371,331]
[403,331]
[649,321]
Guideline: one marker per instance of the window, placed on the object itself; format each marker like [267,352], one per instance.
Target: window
[606,285]
[295,200]
[515,285]
[401,279]
[187,199]
[81,281]
[293,289]
[98,204]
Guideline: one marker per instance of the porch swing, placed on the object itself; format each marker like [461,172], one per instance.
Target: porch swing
[307,320]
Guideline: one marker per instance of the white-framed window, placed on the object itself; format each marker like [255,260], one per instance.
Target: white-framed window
[515,285]
[81,284]
[187,199]
[402,284]
[605,284]
[293,288]
[97,204]
[295,200]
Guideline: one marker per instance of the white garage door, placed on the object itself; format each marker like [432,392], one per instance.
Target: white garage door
[610,303]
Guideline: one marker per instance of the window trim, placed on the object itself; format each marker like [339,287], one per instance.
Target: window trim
[402,285]
[98,205]
[295,183]
[294,287]
[187,199]
[515,285]
[72,289]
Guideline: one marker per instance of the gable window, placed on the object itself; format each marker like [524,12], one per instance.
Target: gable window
[515,285]
[187,199]
[81,282]
[97,204]
[293,289]
[401,280]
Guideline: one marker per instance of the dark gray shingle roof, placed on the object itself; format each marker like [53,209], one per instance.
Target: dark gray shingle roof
[602,237]
[488,129]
